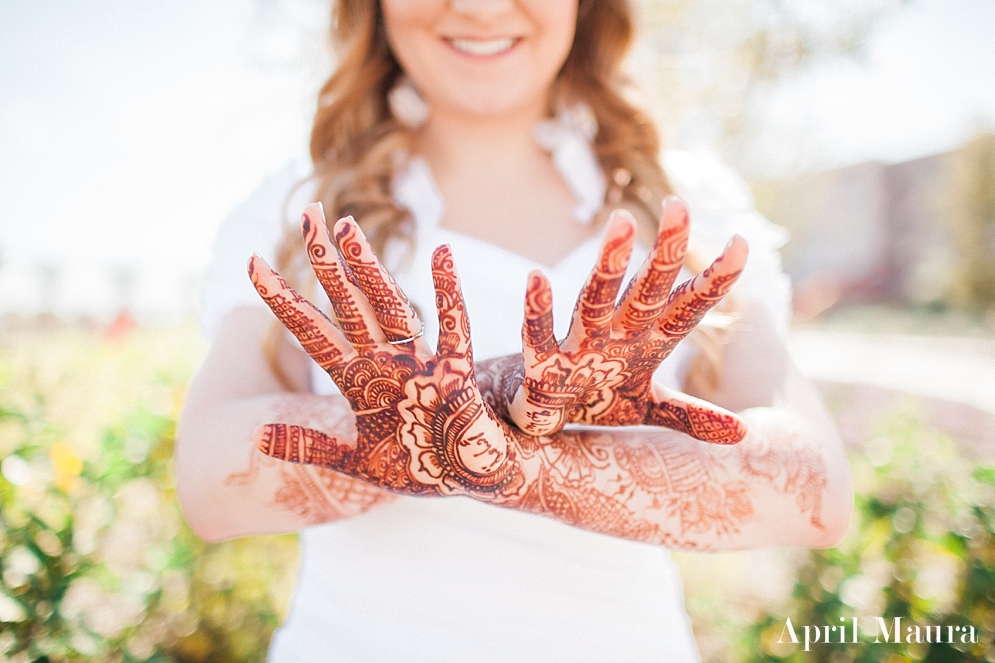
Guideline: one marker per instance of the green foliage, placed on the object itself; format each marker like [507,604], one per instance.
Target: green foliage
[921,547]
[96,562]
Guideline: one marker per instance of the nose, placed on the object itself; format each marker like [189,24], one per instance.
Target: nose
[481,8]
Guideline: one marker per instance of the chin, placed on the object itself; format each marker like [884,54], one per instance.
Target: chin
[493,102]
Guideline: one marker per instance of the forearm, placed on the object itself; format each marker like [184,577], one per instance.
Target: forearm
[662,487]
[786,413]
[647,484]
[228,489]
[225,486]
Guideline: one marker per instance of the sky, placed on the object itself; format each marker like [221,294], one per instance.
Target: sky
[925,84]
[128,129]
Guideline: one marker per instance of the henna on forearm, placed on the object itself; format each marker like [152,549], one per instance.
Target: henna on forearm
[424,427]
[652,487]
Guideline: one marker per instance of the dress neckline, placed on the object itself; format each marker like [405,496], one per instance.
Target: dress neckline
[414,188]
[582,249]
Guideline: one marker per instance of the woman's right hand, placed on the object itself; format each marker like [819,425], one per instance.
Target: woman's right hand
[422,425]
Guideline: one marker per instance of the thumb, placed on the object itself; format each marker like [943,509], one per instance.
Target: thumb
[695,417]
[303,445]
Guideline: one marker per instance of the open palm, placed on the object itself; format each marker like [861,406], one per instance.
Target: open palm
[601,373]
[422,425]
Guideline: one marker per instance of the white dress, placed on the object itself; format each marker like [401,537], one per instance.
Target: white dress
[424,579]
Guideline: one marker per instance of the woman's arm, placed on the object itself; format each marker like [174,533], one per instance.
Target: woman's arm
[424,428]
[776,487]
[225,486]
[786,415]
[601,374]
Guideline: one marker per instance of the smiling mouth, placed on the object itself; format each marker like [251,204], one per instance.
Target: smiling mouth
[483,47]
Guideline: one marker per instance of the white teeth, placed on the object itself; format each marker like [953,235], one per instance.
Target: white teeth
[482,46]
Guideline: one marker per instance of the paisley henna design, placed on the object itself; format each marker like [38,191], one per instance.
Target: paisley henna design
[602,371]
[394,313]
[424,428]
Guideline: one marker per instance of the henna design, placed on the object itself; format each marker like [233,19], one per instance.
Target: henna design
[682,478]
[596,305]
[337,283]
[792,470]
[602,371]
[424,427]
[591,509]
[314,493]
[393,311]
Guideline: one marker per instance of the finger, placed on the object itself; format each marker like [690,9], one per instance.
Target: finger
[645,297]
[454,326]
[695,417]
[307,446]
[318,335]
[596,304]
[353,313]
[689,303]
[538,341]
[394,313]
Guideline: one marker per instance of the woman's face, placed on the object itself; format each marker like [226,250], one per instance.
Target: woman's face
[481,57]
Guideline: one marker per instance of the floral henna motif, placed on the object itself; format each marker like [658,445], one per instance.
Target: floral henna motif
[602,371]
[424,428]
[793,470]
[681,479]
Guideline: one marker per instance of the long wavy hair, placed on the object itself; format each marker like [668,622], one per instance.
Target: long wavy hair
[357,145]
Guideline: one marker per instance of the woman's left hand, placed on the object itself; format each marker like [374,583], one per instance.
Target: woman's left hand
[601,373]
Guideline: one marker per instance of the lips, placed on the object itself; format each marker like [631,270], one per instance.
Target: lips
[483,47]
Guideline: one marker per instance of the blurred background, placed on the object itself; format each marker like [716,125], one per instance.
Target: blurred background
[128,130]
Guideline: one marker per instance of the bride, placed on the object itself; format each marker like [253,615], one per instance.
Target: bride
[489,466]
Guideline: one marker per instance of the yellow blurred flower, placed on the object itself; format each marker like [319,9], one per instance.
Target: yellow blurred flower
[68,466]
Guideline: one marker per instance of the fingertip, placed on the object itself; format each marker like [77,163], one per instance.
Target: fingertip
[312,214]
[537,280]
[737,248]
[622,222]
[735,435]
[442,258]
[262,438]
[344,226]
[258,264]
[675,213]
[741,432]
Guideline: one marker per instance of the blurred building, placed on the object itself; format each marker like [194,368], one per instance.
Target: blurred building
[917,232]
